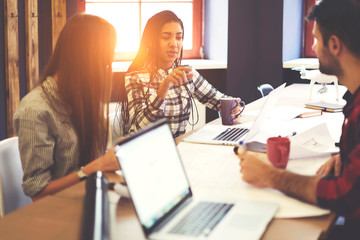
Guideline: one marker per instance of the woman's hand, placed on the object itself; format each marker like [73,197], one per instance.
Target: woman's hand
[334,163]
[237,110]
[109,161]
[177,77]
[106,163]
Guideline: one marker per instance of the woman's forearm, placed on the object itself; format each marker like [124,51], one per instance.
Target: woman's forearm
[68,180]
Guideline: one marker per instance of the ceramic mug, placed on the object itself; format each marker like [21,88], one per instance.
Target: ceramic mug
[278,151]
[227,105]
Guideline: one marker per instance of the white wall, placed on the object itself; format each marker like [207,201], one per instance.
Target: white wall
[292,29]
[216,14]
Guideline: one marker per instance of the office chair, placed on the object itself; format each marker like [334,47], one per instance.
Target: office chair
[265,89]
[12,195]
[114,120]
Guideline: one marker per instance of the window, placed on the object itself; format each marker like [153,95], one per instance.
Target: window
[308,27]
[130,16]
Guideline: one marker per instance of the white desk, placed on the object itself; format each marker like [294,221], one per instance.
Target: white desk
[213,170]
[59,216]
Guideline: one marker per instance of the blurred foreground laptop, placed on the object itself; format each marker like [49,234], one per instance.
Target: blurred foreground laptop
[231,135]
[163,200]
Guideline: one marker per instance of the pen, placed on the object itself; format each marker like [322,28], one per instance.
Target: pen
[240,149]
[292,134]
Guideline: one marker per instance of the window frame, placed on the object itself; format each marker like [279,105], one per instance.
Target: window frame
[308,39]
[198,36]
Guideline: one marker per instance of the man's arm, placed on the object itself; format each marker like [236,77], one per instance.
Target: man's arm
[295,185]
[261,174]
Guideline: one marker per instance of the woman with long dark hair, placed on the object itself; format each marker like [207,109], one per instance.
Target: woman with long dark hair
[62,125]
[158,86]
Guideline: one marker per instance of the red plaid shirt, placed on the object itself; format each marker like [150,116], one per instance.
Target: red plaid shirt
[342,193]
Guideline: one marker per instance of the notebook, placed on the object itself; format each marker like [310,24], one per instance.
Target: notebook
[219,134]
[163,199]
[325,106]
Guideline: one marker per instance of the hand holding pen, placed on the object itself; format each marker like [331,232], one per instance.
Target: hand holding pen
[240,150]
[254,170]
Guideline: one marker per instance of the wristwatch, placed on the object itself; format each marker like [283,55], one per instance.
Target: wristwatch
[81,174]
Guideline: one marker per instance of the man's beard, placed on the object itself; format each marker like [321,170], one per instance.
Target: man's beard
[332,67]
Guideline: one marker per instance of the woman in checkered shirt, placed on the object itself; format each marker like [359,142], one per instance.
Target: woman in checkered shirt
[158,86]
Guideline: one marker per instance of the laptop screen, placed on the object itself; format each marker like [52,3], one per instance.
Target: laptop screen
[265,112]
[154,173]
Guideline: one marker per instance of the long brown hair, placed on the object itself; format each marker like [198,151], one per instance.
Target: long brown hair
[149,44]
[82,63]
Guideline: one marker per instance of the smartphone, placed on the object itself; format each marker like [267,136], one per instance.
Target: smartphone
[256,146]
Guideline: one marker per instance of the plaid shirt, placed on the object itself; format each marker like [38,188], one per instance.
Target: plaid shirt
[145,106]
[342,194]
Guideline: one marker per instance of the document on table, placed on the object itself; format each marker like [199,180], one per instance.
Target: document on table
[214,172]
[313,142]
[283,113]
[291,112]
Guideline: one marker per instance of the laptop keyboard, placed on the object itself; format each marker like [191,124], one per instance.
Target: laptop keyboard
[231,134]
[202,219]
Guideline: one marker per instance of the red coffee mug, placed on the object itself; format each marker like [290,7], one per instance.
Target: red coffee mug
[278,151]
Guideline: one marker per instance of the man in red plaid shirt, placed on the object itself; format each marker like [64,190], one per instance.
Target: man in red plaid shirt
[337,184]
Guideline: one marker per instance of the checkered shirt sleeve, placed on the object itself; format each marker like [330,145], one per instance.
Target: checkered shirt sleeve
[145,106]
[143,109]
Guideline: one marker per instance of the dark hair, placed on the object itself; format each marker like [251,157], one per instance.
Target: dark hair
[149,44]
[340,18]
[82,63]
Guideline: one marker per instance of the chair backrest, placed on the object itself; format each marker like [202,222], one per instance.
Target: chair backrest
[2,208]
[265,89]
[11,175]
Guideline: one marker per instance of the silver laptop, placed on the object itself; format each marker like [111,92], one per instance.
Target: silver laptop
[232,135]
[163,200]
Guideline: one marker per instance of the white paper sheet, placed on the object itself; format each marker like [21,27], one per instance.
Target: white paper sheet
[283,113]
[275,127]
[315,142]
[286,113]
[214,172]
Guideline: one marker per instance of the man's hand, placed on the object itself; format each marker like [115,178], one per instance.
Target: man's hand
[261,173]
[334,163]
[256,171]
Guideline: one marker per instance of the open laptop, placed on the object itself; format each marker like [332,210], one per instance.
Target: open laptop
[163,200]
[231,135]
